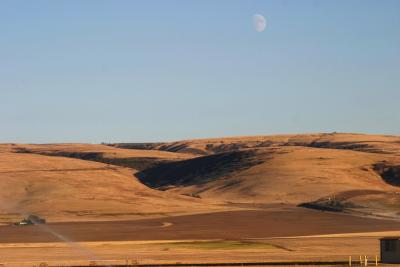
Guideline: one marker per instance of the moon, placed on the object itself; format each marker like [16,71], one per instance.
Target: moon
[259,22]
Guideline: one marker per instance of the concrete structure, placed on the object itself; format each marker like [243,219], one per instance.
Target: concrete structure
[390,249]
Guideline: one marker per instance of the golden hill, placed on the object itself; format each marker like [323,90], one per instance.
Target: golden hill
[342,172]
[327,171]
[60,188]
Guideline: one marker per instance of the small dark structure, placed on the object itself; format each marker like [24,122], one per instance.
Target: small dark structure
[390,249]
[31,220]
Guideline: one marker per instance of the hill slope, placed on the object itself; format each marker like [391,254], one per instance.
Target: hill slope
[330,171]
[341,172]
[60,188]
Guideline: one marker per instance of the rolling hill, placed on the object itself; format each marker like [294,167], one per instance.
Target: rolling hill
[351,173]
[61,188]
[337,172]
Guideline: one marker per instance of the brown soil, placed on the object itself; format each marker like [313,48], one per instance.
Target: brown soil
[235,225]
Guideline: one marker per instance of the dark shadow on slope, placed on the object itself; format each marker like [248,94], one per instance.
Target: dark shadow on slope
[200,170]
[140,146]
[356,146]
[137,163]
[389,173]
[339,202]
[175,147]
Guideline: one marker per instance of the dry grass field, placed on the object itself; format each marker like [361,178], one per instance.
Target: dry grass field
[360,173]
[294,249]
[310,197]
[65,189]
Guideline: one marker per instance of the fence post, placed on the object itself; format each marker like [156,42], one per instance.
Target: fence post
[366,261]
[376,260]
[349,260]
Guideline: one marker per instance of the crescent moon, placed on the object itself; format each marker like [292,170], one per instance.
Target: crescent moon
[259,22]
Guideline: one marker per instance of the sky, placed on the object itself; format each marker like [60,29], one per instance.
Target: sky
[142,71]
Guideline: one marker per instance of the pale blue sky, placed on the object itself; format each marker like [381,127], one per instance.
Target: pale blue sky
[114,71]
